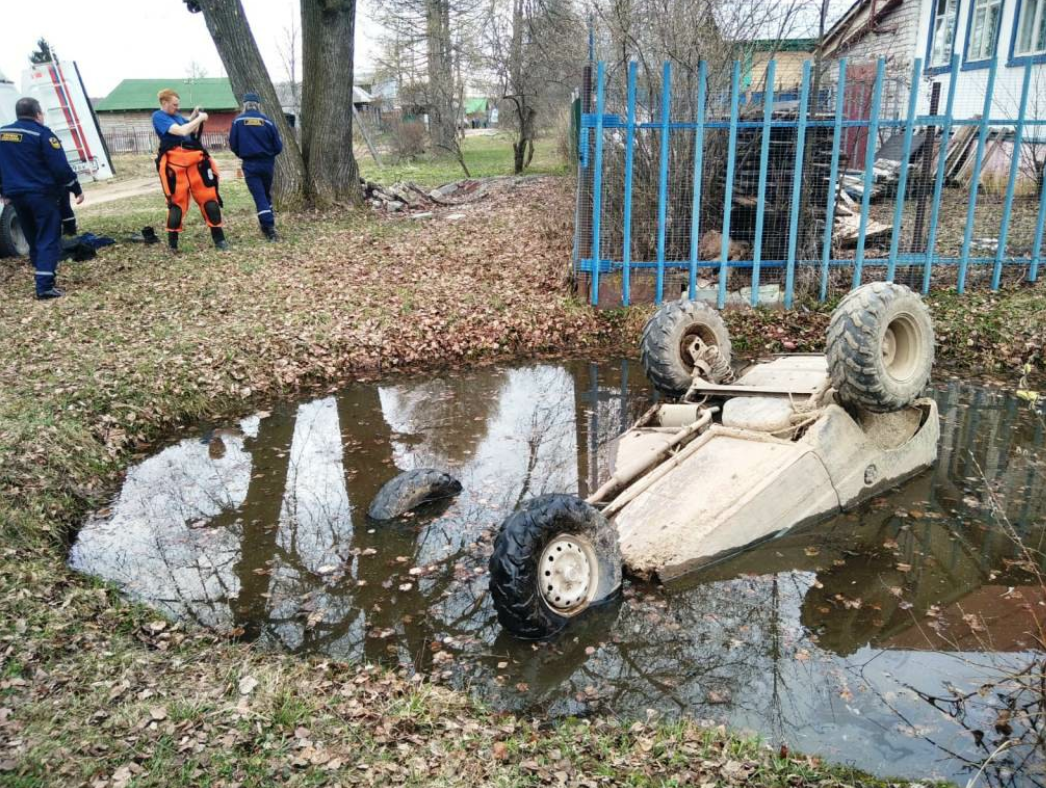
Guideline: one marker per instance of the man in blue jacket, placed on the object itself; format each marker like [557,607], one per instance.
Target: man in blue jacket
[254,139]
[34,175]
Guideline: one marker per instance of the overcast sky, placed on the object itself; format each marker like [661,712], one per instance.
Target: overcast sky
[113,40]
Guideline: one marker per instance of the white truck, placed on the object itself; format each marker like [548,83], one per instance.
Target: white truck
[68,112]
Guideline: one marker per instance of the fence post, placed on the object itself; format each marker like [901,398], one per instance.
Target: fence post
[1040,227]
[1015,160]
[902,181]
[797,185]
[597,182]
[869,169]
[699,162]
[837,137]
[764,161]
[630,132]
[975,186]
[728,196]
[662,187]
[938,185]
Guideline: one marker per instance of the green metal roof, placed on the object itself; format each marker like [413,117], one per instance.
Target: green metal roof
[211,93]
[473,105]
[780,45]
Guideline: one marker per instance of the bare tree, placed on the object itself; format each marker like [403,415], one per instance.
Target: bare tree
[287,45]
[535,49]
[196,71]
[228,26]
[435,34]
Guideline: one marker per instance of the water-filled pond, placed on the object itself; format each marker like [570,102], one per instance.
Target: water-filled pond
[880,638]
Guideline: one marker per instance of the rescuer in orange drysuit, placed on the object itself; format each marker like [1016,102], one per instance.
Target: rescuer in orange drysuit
[186,168]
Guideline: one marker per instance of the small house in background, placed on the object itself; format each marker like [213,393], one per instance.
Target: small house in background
[132,102]
[477,112]
[125,115]
[790,53]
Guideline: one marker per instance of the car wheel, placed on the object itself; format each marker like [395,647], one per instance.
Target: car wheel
[554,558]
[880,347]
[668,337]
[12,239]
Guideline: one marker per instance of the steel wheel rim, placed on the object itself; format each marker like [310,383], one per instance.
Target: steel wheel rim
[900,348]
[569,574]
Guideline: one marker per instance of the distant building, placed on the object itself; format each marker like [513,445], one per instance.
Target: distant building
[477,112]
[790,53]
[129,107]
[125,115]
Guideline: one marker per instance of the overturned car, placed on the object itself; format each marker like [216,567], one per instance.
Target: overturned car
[731,457]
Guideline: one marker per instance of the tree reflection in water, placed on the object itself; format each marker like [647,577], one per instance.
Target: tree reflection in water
[861,638]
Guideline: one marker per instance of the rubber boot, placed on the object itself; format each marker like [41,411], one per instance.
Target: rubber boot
[270,233]
[172,241]
[218,236]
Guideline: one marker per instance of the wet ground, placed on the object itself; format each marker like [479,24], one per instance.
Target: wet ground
[880,638]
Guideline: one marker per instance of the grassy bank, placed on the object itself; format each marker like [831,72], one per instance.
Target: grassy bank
[485,155]
[97,692]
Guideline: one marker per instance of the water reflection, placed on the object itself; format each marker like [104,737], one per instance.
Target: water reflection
[852,638]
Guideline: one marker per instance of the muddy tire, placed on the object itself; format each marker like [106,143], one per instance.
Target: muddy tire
[880,347]
[666,339]
[12,239]
[554,558]
[410,490]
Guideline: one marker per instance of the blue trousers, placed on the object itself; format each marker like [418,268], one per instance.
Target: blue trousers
[41,222]
[258,174]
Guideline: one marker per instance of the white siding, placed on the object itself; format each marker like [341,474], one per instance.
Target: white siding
[970,90]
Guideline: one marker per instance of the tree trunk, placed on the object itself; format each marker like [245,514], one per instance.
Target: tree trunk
[228,26]
[326,104]
[441,75]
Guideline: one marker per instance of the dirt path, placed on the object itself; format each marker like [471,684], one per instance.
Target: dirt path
[102,193]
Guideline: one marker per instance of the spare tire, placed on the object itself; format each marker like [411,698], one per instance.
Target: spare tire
[554,558]
[667,336]
[12,239]
[880,347]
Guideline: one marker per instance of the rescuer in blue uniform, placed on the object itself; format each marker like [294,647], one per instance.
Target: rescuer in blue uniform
[254,139]
[34,175]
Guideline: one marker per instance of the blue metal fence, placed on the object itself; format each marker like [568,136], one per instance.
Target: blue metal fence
[680,156]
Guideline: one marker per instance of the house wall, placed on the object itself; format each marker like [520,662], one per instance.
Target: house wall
[141,121]
[894,37]
[789,71]
[972,84]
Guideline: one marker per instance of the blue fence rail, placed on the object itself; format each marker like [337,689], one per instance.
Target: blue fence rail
[715,190]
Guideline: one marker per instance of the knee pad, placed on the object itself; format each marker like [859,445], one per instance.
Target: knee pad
[174,216]
[213,212]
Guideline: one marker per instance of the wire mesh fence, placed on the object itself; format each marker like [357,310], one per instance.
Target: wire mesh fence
[705,184]
[145,141]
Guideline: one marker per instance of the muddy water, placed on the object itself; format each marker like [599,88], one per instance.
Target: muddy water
[849,639]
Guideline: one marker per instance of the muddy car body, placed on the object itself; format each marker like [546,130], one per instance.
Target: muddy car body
[734,457]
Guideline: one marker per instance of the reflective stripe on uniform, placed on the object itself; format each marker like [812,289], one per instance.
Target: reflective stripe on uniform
[266,211]
[44,273]
[70,183]
[20,130]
